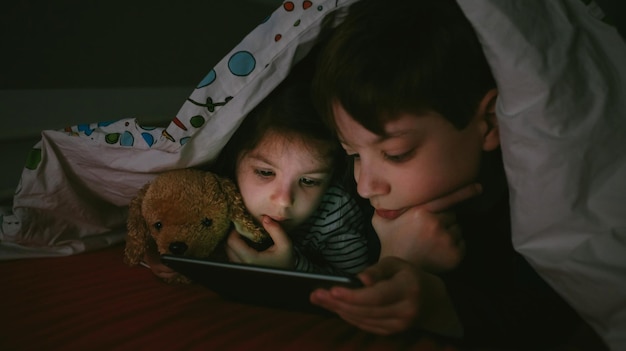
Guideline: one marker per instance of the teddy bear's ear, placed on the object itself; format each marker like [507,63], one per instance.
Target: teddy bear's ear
[244,223]
[138,232]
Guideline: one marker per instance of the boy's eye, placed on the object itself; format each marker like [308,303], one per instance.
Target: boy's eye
[308,182]
[353,157]
[263,173]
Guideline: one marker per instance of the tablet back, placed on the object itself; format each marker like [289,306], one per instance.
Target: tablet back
[260,285]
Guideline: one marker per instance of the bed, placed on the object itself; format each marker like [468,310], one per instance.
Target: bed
[94,301]
[65,286]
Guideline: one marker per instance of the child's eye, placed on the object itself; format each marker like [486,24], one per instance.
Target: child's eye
[309,182]
[263,173]
[399,158]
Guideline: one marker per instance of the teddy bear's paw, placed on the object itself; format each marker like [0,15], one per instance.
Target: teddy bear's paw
[132,260]
[178,279]
[251,231]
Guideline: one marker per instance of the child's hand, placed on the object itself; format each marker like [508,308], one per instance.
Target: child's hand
[397,296]
[278,255]
[153,260]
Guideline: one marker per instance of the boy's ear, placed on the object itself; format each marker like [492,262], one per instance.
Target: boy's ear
[489,120]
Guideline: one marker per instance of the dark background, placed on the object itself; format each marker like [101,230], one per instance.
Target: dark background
[98,43]
[87,44]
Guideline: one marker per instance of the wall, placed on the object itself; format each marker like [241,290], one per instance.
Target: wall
[66,62]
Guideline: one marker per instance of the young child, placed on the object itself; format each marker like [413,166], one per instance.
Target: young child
[286,163]
[411,96]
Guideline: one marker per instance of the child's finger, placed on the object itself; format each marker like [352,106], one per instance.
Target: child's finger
[445,202]
[237,249]
[275,231]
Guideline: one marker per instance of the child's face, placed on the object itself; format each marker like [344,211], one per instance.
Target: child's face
[420,158]
[283,178]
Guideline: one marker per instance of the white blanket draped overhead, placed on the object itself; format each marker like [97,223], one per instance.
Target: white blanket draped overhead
[561,74]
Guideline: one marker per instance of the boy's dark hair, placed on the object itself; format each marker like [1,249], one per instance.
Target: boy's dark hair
[407,56]
[287,109]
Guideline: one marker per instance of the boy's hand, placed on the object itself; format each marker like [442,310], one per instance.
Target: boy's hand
[278,255]
[391,300]
[426,229]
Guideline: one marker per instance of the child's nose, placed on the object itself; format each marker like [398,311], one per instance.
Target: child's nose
[283,195]
[369,182]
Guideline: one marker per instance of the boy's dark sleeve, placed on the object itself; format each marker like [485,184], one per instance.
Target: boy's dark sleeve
[523,312]
[499,298]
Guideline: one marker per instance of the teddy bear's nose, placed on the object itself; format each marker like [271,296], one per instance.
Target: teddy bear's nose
[178,247]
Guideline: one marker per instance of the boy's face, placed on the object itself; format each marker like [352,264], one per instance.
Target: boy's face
[283,178]
[418,159]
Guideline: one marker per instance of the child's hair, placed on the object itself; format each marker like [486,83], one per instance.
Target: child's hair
[407,56]
[288,110]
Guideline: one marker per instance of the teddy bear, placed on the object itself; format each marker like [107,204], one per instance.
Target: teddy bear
[187,212]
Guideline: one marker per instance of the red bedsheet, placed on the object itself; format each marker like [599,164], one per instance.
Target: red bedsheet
[94,301]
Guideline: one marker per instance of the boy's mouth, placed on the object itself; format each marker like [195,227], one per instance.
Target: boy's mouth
[389,214]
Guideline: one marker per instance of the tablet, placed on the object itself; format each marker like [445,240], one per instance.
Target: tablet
[254,284]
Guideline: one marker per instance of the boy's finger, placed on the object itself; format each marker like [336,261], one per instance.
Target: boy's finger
[382,270]
[445,202]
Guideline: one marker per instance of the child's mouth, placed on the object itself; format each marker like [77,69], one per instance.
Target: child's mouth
[389,214]
[278,219]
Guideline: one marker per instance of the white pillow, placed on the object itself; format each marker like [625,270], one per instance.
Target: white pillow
[561,74]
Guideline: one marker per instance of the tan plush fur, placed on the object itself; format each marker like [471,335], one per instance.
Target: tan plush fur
[186,210]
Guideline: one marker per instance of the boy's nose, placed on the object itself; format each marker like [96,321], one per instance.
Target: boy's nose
[369,183]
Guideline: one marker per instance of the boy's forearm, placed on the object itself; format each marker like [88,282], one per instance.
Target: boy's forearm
[437,313]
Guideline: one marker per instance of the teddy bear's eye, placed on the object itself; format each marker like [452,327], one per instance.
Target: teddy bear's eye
[158,225]
[207,222]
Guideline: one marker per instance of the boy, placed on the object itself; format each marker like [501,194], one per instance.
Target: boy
[407,88]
